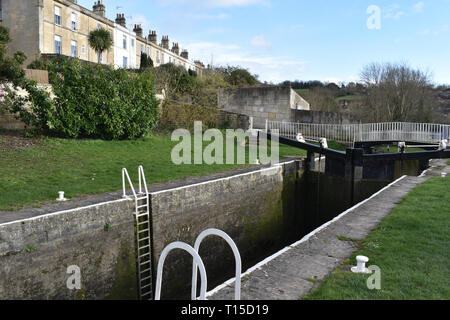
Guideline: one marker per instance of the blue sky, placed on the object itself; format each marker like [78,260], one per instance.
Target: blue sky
[325,40]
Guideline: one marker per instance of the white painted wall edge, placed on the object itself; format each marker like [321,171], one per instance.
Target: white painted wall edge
[62,212]
[275,166]
[304,239]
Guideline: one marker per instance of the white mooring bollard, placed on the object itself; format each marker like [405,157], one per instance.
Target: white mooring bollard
[323,143]
[361,267]
[61,197]
[300,138]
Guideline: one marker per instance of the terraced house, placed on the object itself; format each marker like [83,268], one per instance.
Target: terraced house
[62,27]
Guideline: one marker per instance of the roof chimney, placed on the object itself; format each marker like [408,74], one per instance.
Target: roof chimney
[152,37]
[185,54]
[165,42]
[138,30]
[176,49]
[121,20]
[99,8]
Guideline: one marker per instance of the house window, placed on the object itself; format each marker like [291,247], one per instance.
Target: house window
[142,48]
[73,49]
[157,57]
[124,42]
[162,58]
[57,44]
[125,62]
[74,22]
[132,43]
[1,11]
[99,26]
[83,49]
[57,15]
[148,52]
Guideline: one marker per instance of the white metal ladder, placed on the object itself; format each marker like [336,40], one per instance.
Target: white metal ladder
[143,235]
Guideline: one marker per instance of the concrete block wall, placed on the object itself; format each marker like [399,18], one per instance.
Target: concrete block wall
[322,117]
[261,103]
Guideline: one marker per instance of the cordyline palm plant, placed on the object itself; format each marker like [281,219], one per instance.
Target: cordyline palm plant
[100,40]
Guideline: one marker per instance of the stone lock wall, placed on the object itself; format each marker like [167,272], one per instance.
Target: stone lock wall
[257,209]
[35,254]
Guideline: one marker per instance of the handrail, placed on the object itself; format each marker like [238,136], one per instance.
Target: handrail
[125,174]
[198,260]
[142,178]
[237,256]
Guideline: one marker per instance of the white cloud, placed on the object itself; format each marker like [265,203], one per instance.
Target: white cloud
[270,68]
[260,42]
[418,7]
[442,29]
[393,12]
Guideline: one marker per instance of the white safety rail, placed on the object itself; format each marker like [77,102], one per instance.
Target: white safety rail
[197,260]
[237,257]
[143,232]
[198,264]
[350,133]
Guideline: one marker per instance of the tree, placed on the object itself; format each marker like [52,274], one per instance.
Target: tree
[10,67]
[237,76]
[146,61]
[100,40]
[397,92]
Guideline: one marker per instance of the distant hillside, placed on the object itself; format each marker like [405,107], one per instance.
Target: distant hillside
[443,94]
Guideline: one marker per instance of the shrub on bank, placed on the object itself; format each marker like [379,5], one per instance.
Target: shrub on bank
[92,101]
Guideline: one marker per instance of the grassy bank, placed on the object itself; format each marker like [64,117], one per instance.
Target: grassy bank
[411,247]
[35,172]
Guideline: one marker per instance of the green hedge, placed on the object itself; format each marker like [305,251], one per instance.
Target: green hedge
[93,101]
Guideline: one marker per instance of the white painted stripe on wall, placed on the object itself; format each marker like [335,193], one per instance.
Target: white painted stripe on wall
[65,211]
[304,239]
[262,171]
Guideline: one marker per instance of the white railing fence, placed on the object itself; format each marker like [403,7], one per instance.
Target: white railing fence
[350,133]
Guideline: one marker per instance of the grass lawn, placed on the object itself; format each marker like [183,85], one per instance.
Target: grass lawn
[411,247]
[35,174]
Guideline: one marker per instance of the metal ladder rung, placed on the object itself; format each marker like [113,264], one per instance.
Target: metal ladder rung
[147,238]
[143,206]
[140,199]
[144,247]
[146,286]
[146,278]
[145,294]
[143,255]
[142,215]
[145,230]
[142,223]
[144,263]
[146,270]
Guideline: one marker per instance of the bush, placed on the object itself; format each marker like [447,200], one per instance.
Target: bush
[92,102]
